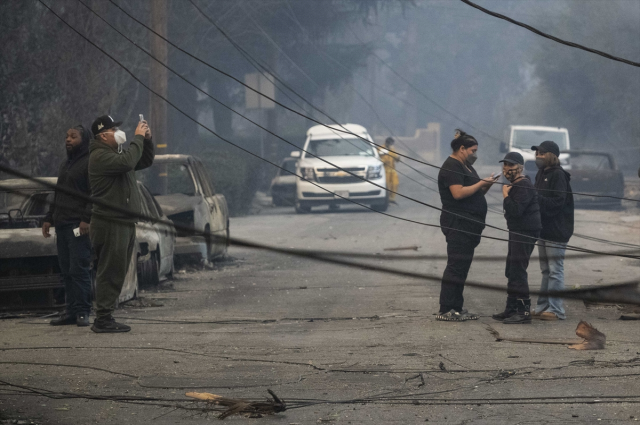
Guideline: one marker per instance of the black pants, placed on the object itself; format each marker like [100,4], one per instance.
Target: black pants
[460,248]
[520,249]
[74,257]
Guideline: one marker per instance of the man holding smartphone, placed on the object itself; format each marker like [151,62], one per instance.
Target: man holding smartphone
[113,233]
[71,217]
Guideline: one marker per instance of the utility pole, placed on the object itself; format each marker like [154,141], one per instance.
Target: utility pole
[159,83]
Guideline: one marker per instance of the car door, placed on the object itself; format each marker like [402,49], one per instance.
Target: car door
[166,234]
[217,208]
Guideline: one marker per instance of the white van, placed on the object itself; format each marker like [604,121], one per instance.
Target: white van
[522,137]
[349,154]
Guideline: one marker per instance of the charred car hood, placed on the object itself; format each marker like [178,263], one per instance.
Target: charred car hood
[25,243]
[177,203]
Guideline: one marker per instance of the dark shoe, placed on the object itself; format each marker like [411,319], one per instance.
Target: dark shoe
[449,316]
[109,326]
[82,320]
[509,310]
[63,320]
[522,315]
[467,316]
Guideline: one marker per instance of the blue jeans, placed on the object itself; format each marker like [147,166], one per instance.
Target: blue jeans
[552,267]
[74,257]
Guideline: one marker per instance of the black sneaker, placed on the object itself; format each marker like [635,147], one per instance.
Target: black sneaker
[109,326]
[465,315]
[63,320]
[449,316]
[82,319]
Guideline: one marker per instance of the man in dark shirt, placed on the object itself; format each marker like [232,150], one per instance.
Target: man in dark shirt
[556,211]
[66,214]
[113,233]
[522,212]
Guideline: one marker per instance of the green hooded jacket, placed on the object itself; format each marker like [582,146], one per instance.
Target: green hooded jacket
[113,179]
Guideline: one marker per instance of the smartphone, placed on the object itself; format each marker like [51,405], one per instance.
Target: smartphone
[497,176]
[141,117]
[76,232]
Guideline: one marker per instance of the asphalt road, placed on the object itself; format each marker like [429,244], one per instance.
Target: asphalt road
[364,346]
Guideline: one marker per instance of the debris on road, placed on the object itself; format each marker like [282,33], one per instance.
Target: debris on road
[404,248]
[593,339]
[243,407]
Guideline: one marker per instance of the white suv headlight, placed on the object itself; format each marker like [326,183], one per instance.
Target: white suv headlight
[374,172]
[308,173]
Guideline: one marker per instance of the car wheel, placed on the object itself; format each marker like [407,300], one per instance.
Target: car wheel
[154,266]
[278,201]
[148,271]
[382,207]
[302,209]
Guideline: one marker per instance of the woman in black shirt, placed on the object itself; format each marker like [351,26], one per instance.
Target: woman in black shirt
[462,220]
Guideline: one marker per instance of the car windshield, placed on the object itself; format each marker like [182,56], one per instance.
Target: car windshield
[340,147]
[167,178]
[589,162]
[524,139]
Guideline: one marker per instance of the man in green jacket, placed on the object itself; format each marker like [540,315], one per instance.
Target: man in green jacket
[113,233]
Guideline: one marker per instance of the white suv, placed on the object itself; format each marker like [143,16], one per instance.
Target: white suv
[349,154]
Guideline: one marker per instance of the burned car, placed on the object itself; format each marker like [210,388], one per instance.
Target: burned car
[29,269]
[283,185]
[155,242]
[182,187]
[596,173]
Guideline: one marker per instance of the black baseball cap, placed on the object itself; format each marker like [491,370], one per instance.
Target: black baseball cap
[547,146]
[102,123]
[513,158]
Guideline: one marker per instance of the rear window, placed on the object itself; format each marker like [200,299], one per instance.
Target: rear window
[167,178]
[590,162]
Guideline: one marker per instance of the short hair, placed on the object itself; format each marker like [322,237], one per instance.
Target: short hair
[551,160]
[462,139]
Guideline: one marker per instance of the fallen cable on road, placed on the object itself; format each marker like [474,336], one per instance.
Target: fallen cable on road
[593,339]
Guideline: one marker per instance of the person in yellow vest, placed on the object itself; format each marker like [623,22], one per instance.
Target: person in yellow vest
[389,159]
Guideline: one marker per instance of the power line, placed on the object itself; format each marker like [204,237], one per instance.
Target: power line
[623,292]
[290,109]
[569,247]
[261,68]
[551,37]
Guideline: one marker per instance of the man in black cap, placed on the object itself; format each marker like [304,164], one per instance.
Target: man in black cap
[522,212]
[556,211]
[113,234]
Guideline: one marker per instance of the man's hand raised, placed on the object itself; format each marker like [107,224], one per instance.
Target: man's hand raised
[143,129]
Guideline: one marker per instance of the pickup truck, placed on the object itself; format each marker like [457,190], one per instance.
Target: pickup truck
[522,137]
[184,191]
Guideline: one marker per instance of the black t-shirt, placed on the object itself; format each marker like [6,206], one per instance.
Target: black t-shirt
[474,205]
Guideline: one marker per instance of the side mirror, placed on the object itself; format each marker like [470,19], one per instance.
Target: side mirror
[295,154]
[503,147]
